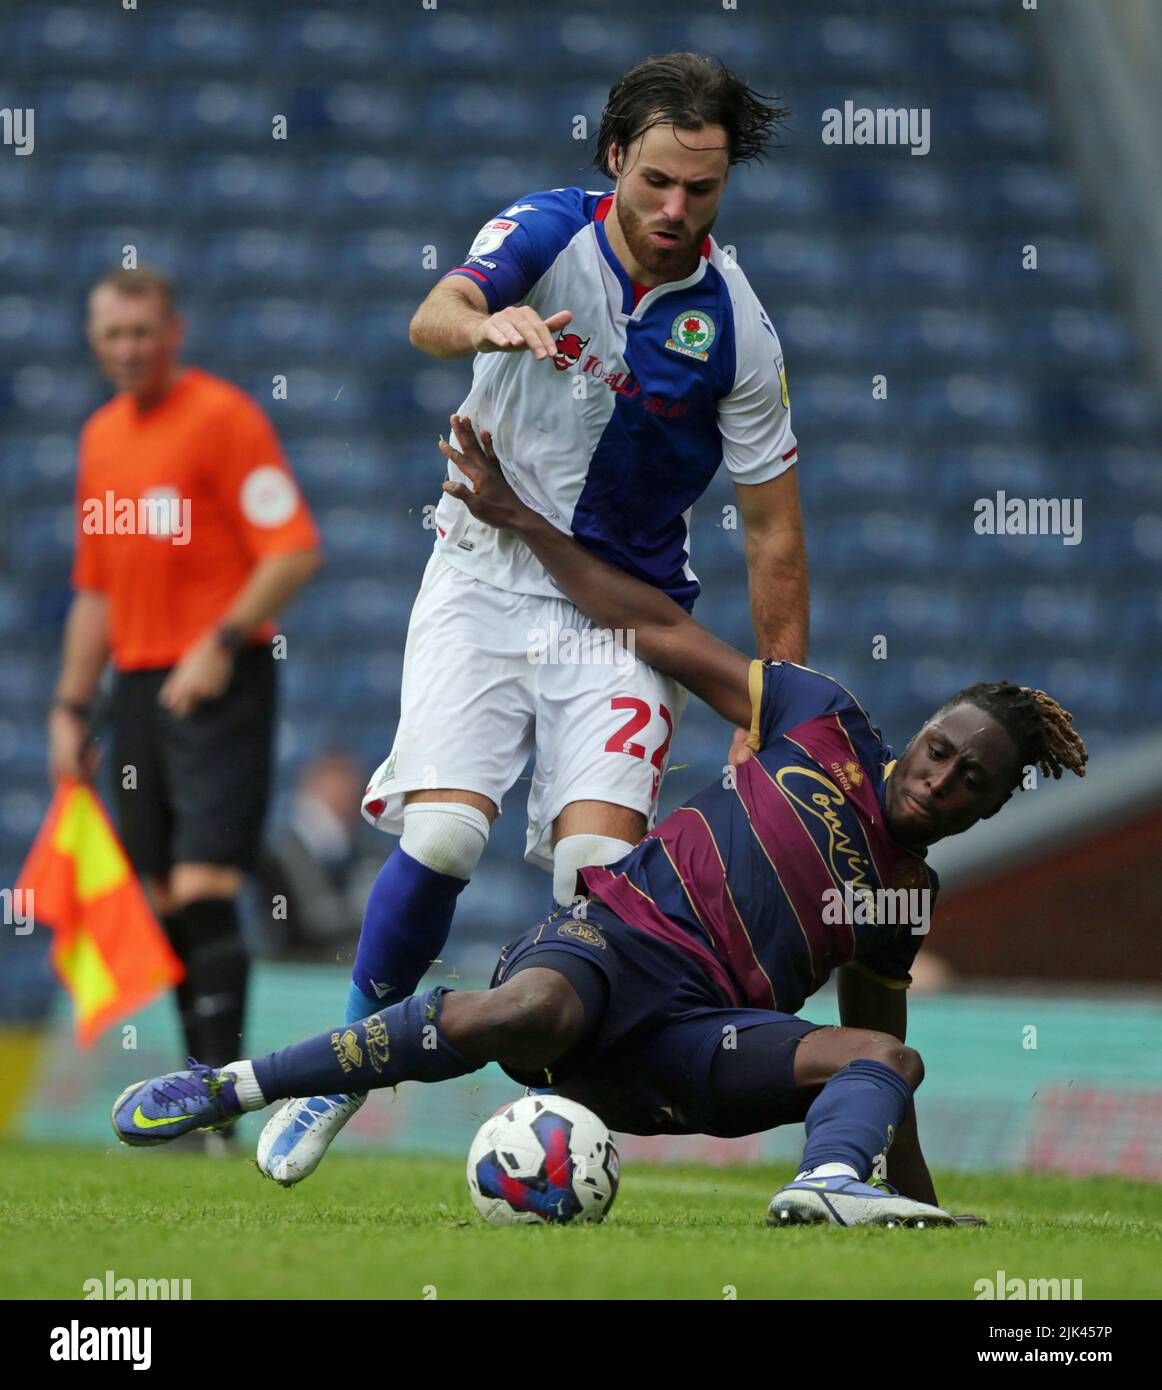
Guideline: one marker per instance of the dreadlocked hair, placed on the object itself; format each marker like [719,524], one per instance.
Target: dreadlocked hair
[1041,729]
[689,91]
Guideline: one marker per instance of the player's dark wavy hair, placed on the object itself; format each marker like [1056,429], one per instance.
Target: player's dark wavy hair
[689,91]
[1041,729]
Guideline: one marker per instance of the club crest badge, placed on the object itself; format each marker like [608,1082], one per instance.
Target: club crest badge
[691,334]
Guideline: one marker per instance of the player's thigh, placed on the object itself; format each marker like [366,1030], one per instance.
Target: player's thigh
[466,700]
[724,1072]
[599,818]
[604,732]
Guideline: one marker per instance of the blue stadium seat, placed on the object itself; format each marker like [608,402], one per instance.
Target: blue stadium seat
[38,391]
[1068,269]
[193,40]
[933,332]
[254,258]
[379,335]
[278,330]
[918,260]
[27,255]
[111,184]
[1101,406]
[31,328]
[971,48]
[368,186]
[983,124]
[230,114]
[479,114]
[366,113]
[245,186]
[94,250]
[850,46]
[1136,473]
[824,336]
[916,192]
[816,261]
[969,401]
[335,40]
[1072,338]
[67,37]
[89,111]
[1036,198]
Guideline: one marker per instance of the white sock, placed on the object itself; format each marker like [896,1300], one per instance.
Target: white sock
[246,1086]
[829,1170]
[445,836]
[575,852]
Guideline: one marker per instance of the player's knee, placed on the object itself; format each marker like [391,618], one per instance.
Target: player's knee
[533,1019]
[447,837]
[882,1047]
[573,852]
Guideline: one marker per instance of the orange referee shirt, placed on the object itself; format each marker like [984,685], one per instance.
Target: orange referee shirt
[175,507]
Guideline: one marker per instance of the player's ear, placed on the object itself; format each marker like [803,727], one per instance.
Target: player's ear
[988,815]
[613,160]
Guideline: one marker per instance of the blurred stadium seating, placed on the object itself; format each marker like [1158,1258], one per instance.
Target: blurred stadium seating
[305,257]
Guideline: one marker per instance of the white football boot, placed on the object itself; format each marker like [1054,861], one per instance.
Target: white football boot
[298,1134]
[843,1201]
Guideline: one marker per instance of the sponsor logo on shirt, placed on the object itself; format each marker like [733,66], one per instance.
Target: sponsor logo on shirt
[491,236]
[570,346]
[848,774]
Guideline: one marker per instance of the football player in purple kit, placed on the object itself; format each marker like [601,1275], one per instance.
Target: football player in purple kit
[669,1003]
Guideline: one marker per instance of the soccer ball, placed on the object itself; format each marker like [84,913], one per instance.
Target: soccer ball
[542,1158]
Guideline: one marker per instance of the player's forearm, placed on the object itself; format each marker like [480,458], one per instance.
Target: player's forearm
[85,647]
[271,586]
[445,324]
[607,596]
[777,569]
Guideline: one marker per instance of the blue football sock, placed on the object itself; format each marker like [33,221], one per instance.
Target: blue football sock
[853,1117]
[359,1005]
[401,1043]
[405,925]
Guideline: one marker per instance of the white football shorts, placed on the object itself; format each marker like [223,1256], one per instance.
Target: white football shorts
[491,676]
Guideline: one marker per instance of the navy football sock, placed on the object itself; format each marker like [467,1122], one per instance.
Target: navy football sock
[855,1115]
[402,1043]
[405,925]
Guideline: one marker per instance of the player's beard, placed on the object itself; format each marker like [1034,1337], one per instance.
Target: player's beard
[672,262]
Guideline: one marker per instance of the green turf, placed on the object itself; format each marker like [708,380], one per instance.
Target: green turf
[374,1227]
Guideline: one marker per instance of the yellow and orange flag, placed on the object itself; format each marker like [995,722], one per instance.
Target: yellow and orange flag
[108,949]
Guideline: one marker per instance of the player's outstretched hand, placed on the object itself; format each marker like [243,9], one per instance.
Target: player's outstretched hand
[518,327]
[490,499]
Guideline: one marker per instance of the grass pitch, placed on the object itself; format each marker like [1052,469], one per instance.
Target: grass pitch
[376,1227]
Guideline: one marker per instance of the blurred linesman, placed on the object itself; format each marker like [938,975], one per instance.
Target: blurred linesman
[191,537]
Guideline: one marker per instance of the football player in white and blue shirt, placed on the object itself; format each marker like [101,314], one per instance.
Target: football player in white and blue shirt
[621,357]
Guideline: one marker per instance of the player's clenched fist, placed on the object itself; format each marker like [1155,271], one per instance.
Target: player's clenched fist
[519,327]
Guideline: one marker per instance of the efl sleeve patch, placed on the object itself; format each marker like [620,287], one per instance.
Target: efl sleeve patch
[269,497]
